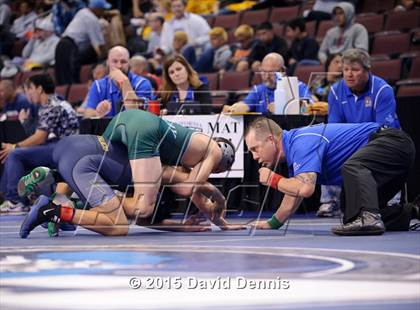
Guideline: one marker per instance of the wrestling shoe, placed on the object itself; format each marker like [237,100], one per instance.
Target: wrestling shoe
[40,181]
[330,209]
[44,211]
[367,223]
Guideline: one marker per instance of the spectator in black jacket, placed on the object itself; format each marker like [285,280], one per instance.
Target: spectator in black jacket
[304,49]
[182,90]
[267,43]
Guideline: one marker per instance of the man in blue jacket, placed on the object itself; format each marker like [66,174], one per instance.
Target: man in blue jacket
[359,97]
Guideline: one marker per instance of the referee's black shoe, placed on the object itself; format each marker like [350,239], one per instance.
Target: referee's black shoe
[366,224]
[415,213]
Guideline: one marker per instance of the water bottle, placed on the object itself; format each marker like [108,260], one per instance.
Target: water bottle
[279,95]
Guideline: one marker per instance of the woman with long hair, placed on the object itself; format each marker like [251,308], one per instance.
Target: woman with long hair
[182,90]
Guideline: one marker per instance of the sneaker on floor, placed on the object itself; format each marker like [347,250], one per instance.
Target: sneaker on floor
[328,210]
[8,207]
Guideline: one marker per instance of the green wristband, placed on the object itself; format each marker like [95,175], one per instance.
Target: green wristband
[274,222]
[53,229]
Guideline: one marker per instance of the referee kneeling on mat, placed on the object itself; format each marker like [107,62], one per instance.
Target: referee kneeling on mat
[371,162]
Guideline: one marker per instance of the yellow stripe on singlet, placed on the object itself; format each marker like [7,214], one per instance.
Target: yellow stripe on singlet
[103,143]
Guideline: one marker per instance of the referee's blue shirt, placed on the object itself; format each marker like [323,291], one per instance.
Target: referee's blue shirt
[376,104]
[105,89]
[260,96]
[324,148]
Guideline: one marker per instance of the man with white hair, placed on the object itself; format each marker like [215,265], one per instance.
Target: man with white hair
[261,96]
[40,49]
[108,95]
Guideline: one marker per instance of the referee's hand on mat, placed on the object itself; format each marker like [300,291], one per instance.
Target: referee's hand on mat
[261,225]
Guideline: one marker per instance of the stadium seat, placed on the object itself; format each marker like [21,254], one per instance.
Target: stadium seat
[85,73]
[372,22]
[389,70]
[323,27]
[218,101]
[18,47]
[284,14]
[377,5]
[378,57]
[227,21]
[51,72]
[306,5]
[232,80]
[408,82]
[256,79]
[27,74]
[210,20]
[408,91]
[402,20]
[254,18]
[415,69]
[306,74]
[62,91]
[77,93]
[213,80]
[390,43]
[17,78]
[311,28]
[415,39]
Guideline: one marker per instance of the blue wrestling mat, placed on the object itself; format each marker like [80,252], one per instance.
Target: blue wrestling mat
[305,267]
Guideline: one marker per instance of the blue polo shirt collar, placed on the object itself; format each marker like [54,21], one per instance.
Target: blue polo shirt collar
[368,88]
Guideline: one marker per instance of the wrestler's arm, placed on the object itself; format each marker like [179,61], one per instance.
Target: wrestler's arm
[147,176]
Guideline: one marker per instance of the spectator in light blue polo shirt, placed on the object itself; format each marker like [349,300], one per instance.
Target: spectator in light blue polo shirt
[361,96]
[118,89]
[261,96]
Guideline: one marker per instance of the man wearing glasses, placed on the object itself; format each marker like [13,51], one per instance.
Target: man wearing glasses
[261,97]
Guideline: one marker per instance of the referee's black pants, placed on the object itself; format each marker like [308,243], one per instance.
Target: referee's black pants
[67,62]
[375,173]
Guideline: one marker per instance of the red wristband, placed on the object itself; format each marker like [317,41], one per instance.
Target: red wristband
[66,214]
[274,180]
